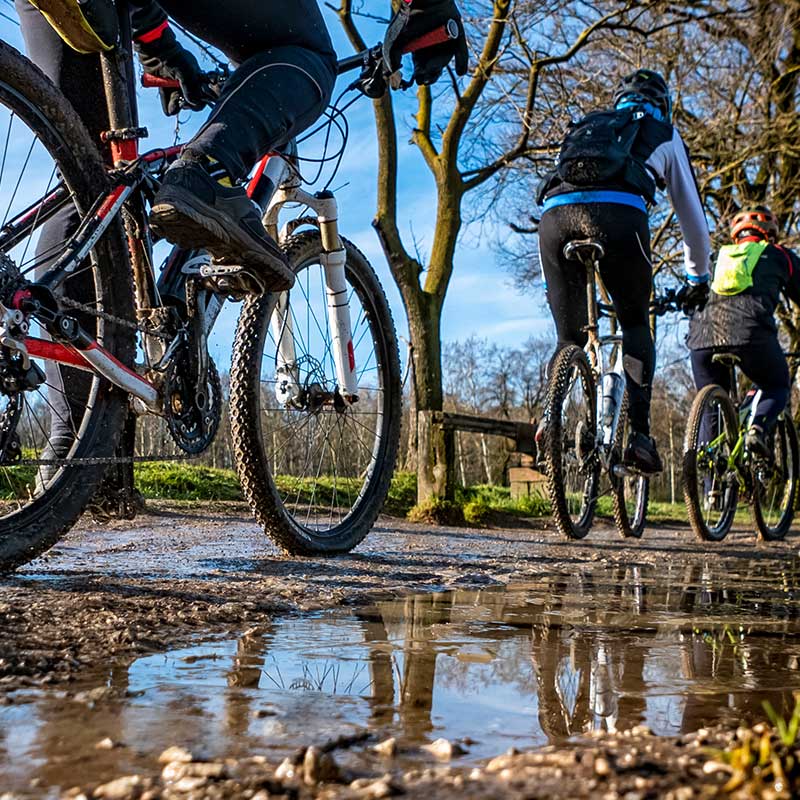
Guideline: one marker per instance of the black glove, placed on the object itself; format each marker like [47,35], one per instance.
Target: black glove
[692,297]
[424,16]
[165,57]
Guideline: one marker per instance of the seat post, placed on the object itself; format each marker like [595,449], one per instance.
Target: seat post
[118,83]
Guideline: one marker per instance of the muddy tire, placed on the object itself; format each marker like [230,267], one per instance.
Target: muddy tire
[316,479]
[630,495]
[32,522]
[570,460]
[775,494]
[710,490]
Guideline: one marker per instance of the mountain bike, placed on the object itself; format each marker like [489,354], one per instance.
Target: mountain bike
[586,420]
[719,470]
[91,335]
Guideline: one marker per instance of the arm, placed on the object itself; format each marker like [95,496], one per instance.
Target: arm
[793,283]
[685,198]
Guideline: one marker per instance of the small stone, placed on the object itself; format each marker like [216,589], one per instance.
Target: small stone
[128,786]
[682,793]
[760,728]
[375,790]
[742,733]
[641,782]
[319,767]
[641,730]
[205,769]
[175,754]
[189,783]
[173,771]
[262,795]
[444,749]
[260,713]
[386,748]
[475,774]
[285,771]
[106,744]
[602,767]
[710,767]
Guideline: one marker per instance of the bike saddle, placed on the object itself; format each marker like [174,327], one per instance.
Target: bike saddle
[730,359]
[583,250]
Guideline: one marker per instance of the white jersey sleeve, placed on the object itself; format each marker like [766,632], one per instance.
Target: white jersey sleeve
[670,161]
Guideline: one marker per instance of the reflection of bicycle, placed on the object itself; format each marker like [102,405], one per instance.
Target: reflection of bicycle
[718,469]
[315,379]
[586,421]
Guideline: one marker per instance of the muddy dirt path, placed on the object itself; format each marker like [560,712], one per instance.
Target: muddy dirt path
[280,676]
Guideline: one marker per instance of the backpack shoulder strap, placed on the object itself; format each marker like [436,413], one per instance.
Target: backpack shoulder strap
[788,258]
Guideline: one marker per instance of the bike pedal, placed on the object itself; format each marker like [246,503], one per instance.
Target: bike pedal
[232,280]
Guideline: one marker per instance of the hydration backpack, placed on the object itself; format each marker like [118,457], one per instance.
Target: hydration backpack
[597,152]
[733,272]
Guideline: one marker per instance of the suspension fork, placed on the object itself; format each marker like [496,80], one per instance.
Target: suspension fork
[333,259]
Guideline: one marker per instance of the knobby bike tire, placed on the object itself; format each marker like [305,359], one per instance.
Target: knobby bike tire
[694,500]
[775,533]
[629,526]
[29,94]
[247,420]
[567,361]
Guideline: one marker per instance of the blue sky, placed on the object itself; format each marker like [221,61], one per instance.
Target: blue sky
[481,299]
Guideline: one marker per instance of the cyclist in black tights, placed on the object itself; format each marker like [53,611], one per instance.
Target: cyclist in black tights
[613,212]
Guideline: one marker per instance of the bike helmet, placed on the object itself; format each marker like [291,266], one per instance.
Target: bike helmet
[755,220]
[648,87]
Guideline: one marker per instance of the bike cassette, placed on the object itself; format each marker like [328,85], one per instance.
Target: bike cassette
[232,280]
[193,413]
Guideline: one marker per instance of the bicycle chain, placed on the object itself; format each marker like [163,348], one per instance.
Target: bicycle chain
[110,460]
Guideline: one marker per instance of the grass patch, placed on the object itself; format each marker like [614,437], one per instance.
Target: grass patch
[165,480]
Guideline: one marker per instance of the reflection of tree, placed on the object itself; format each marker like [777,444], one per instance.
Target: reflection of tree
[245,673]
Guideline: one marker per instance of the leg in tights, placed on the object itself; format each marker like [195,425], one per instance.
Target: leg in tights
[626,272]
[78,76]
[766,366]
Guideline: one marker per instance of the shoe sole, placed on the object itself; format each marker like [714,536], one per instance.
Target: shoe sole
[192,224]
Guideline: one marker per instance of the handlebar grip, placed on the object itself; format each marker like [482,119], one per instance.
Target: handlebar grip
[439,35]
[153,82]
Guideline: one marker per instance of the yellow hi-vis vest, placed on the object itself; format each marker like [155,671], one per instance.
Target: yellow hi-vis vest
[88,27]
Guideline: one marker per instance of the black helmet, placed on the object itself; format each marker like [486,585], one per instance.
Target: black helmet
[647,86]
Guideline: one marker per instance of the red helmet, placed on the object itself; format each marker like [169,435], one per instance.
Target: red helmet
[755,220]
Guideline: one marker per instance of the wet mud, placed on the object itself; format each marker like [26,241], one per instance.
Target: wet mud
[599,668]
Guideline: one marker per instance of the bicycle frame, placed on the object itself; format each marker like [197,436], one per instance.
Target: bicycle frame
[606,423]
[275,183]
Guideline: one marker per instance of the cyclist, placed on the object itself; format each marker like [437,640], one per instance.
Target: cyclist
[749,277]
[610,164]
[286,69]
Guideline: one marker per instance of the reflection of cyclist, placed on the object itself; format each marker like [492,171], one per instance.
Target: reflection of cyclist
[610,165]
[286,68]
[749,277]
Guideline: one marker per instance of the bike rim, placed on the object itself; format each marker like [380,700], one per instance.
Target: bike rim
[578,454]
[323,457]
[773,482]
[55,417]
[715,485]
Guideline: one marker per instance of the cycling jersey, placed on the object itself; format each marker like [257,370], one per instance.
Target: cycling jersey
[660,147]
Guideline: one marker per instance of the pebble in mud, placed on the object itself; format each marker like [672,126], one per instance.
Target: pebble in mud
[319,767]
[175,754]
[122,788]
[386,748]
[444,749]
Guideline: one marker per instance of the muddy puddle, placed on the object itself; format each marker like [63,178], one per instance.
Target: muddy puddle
[521,666]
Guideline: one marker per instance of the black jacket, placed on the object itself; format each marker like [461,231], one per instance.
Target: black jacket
[749,317]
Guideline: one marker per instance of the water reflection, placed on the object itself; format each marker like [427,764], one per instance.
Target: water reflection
[674,647]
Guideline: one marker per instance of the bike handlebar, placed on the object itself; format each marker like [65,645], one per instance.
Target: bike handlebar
[440,35]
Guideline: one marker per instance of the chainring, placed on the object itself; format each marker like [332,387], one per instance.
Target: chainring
[192,426]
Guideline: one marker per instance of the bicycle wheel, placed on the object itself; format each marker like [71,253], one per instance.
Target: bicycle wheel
[316,473]
[571,464]
[710,487]
[53,433]
[775,484]
[630,492]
